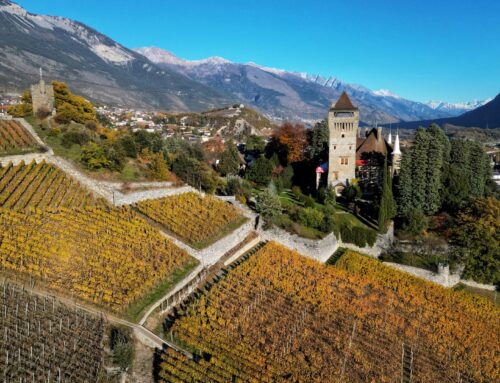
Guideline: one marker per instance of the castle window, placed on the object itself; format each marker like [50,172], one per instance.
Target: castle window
[343,135]
[334,147]
[350,147]
[344,160]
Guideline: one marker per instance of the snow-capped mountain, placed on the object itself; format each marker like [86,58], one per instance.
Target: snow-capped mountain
[158,55]
[91,63]
[104,70]
[293,95]
[457,108]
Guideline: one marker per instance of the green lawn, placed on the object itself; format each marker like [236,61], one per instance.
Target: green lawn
[343,217]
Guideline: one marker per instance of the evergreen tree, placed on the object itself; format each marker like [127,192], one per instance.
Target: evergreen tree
[437,156]
[480,169]
[387,209]
[423,172]
[260,171]
[405,202]
[268,203]
[230,161]
[478,240]
[318,141]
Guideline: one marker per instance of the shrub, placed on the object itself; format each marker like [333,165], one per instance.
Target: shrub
[414,222]
[358,236]
[93,157]
[260,171]
[75,136]
[311,217]
[54,132]
[121,347]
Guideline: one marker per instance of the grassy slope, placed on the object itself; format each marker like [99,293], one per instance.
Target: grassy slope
[135,311]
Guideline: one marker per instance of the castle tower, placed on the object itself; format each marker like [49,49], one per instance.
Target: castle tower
[396,156]
[42,96]
[343,122]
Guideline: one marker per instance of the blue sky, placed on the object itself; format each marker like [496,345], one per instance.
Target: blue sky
[420,49]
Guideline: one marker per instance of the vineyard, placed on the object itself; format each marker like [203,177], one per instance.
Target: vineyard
[14,138]
[41,185]
[196,220]
[282,317]
[108,257]
[43,340]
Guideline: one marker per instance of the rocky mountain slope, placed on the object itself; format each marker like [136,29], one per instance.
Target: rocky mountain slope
[285,95]
[91,63]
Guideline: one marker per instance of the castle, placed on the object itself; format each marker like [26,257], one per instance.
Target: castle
[352,156]
[42,96]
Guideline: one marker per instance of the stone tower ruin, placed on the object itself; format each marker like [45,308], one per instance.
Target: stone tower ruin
[343,123]
[42,96]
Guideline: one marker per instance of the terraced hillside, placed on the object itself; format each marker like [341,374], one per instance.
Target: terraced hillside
[14,138]
[41,185]
[195,219]
[108,257]
[44,340]
[280,317]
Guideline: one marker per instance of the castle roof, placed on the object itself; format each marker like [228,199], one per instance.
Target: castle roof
[343,103]
[373,143]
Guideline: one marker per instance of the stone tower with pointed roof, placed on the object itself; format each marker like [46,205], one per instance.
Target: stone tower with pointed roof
[343,123]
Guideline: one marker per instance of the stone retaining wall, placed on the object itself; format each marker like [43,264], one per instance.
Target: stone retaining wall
[444,279]
[134,197]
[320,250]
[323,249]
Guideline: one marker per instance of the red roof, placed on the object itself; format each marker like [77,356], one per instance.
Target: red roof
[319,169]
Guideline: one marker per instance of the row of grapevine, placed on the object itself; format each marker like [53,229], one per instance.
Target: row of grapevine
[191,217]
[108,257]
[43,340]
[14,137]
[282,317]
[41,185]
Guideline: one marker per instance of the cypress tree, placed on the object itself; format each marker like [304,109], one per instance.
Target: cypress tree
[405,184]
[480,169]
[387,209]
[437,154]
[419,169]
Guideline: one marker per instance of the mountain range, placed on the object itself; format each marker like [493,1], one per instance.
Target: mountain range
[290,95]
[485,116]
[151,78]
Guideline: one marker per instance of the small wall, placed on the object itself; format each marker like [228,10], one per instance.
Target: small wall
[133,197]
[320,250]
[478,285]
[323,249]
[444,278]
[383,242]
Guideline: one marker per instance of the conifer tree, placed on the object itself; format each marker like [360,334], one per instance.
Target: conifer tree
[230,161]
[387,209]
[437,155]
